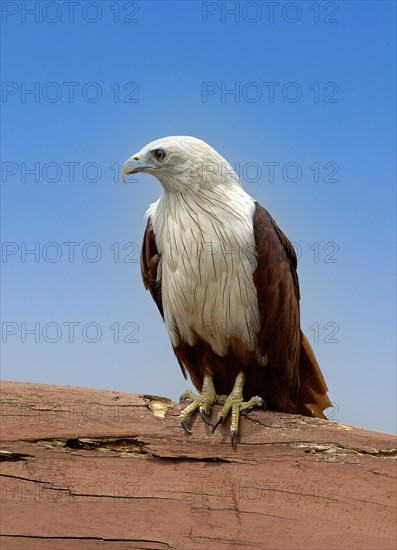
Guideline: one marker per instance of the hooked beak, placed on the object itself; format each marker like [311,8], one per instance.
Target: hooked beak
[134,165]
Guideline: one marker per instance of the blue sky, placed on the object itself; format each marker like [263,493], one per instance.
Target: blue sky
[301,99]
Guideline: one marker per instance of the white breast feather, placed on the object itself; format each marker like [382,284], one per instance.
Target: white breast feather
[207,247]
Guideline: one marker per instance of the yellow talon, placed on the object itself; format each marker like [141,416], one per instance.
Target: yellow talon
[235,403]
[203,402]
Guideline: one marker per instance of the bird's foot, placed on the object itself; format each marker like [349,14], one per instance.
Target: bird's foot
[203,403]
[235,403]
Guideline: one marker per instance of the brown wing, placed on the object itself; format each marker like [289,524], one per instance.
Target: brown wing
[149,263]
[277,286]
[286,346]
[312,396]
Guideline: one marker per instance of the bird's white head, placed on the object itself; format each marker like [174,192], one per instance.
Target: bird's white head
[182,164]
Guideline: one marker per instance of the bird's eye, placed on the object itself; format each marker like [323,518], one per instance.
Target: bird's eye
[159,154]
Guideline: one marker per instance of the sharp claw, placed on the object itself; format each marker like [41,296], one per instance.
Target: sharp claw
[233,433]
[186,427]
[264,405]
[218,421]
[204,417]
[184,397]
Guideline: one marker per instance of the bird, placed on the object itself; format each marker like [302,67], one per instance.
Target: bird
[224,278]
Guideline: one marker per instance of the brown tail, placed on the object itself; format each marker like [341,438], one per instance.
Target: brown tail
[312,395]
